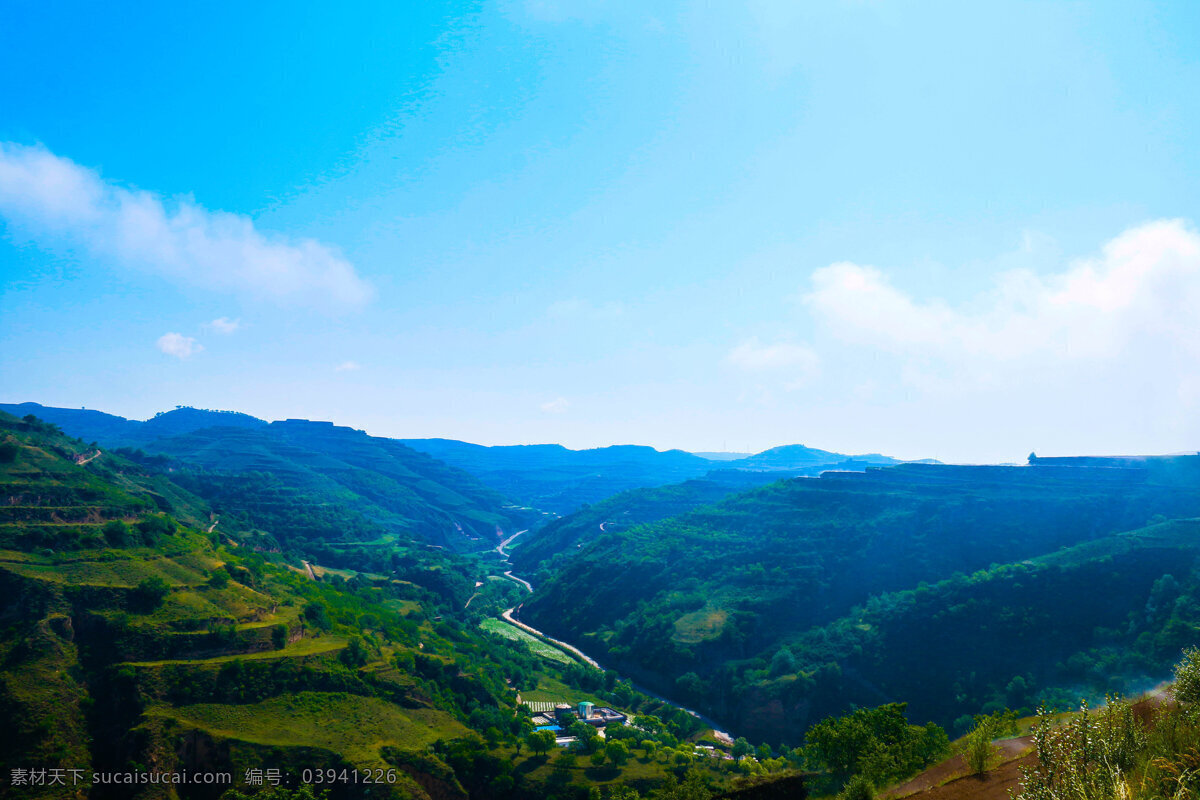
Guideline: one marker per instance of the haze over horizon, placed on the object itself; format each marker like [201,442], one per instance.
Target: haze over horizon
[947,232]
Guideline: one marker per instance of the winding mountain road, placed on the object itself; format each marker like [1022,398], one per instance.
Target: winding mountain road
[500,547]
[508,616]
[521,581]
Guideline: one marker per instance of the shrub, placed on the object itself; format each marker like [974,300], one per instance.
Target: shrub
[318,615]
[116,532]
[8,451]
[978,751]
[857,788]
[355,654]
[150,593]
[783,662]
[279,636]
[1187,678]
[155,525]
[617,752]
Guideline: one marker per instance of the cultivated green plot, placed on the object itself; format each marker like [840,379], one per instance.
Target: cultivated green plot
[552,690]
[535,644]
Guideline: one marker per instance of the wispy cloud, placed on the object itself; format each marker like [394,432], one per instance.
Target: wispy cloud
[1100,352]
[793,365]
[348,366]
[558,405]
[1091,354]
[56,201]
[1145,286]
[223,325]
[178,345]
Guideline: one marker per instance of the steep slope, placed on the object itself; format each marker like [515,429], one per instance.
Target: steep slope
[383,490]
[699,604]
[1019,635]
[412,494]
[542,551]
[58,492]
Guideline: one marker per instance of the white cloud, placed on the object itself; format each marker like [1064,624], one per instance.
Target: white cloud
[348,366]
[1092,355]
[178,345]
[55,201]
[558,405]
[224,325]
[1144,286]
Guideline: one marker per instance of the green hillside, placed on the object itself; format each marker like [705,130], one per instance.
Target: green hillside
[1107,616]
[313,487]
[408,492]
[546,549]
[699,605]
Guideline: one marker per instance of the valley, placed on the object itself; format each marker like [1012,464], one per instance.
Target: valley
[732,619]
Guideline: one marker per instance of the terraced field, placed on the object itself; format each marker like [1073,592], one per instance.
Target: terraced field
[354,727]
[304,647]
[501,628]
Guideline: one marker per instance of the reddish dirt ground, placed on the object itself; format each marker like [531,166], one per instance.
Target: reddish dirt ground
[939,782]
[947,781]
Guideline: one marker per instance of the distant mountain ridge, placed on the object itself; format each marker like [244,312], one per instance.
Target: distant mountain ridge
[794,456]
[547,477]
[116,431]
[384,488]
[554,478]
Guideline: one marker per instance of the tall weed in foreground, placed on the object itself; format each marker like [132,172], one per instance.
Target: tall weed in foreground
[1088,757]
[1172,770]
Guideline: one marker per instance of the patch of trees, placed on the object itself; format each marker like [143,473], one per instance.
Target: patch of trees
[877,743]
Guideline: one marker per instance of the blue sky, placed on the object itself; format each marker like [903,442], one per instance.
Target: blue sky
[957,230]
